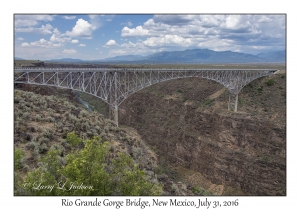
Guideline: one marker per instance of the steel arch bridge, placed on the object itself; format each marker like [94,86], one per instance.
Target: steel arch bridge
[114,85]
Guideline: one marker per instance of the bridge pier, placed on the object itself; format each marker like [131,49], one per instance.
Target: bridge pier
[233,102]
[116,115]
[113,114]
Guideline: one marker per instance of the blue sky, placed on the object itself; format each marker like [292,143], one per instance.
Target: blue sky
[91,37]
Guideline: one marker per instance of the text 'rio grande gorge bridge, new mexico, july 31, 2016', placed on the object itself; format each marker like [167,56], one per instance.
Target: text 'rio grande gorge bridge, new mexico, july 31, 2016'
[114,85]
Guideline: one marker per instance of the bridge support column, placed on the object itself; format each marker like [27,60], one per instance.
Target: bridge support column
[116,115]
[109,112]
[233,102]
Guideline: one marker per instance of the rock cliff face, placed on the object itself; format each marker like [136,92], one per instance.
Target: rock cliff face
[188,125]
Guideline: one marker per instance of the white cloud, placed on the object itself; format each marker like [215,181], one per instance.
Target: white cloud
[138,31]
[82,45]
[31,20]
[20,39]
[82,29]
[58,37]
[110,43]
[95,21]
[235,22]
[174,19]
[25,44]
[74,41]
[168,40]
[57,45]
[265,19]
[208,21]
[45,29]
[128,45]
[42,43]
[131,48]
[71,51]
[69,17]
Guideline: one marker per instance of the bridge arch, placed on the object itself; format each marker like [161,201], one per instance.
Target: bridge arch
[113,86]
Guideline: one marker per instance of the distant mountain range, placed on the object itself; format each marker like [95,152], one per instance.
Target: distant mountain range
[273,56]
[67,60]
[188,56]
[17,58]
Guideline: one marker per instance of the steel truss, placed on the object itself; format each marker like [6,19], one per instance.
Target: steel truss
[114,85]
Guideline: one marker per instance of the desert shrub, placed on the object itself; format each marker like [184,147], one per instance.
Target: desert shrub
[48,133]
[50,119]
[98,128]
[137,152]
[65,129]
[175,189]
[16,126]
[38,118]
[34,139]
[89,134]
[73,118]
[98,122]
[83,113]
[31,145]
[21,106]
[36,109]
[62,161]
[27,109]
[43,148]
[207,102]
[23,128]
[270,82]
[44,140]
[73,139]
[259,90]
[36,152]
[179,90]
[94,132]
[127,139]
[108,121]
[26,115]
[85,126]
[58,147]
[112,128]
[64,142]
[106,129]
[200,191]
[18,158]
[59,125]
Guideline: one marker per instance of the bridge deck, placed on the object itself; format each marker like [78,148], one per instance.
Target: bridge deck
[126,69]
